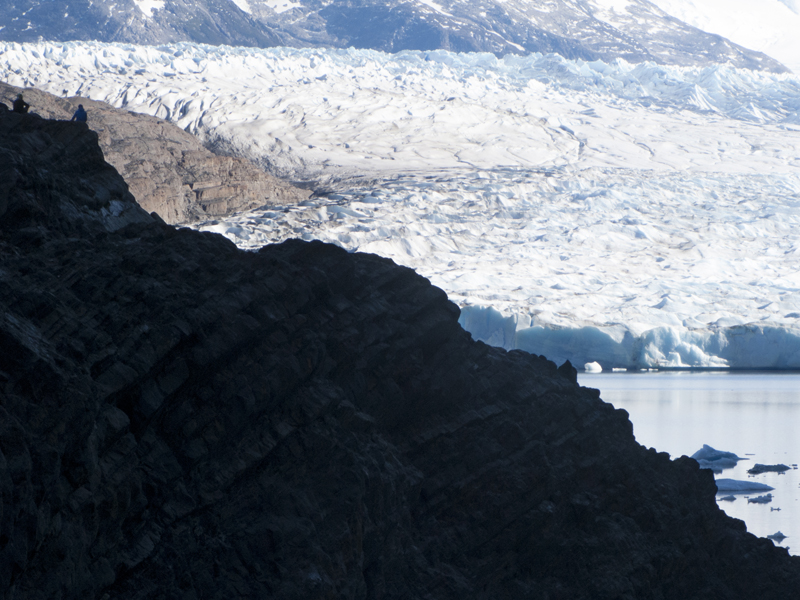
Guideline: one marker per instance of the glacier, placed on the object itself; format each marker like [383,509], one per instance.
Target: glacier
[632,215]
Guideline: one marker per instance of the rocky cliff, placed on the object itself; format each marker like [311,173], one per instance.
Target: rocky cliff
[181,419]
[168,170]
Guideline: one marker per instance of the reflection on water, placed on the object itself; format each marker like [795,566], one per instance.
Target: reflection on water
[754,415]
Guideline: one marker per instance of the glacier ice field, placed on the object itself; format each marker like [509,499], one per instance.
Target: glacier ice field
[633,215]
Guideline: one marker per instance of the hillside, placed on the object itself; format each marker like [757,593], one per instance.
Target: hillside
[179,418]
[168,170]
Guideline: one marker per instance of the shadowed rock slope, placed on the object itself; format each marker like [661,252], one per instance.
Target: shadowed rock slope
[181,419]
[168,170]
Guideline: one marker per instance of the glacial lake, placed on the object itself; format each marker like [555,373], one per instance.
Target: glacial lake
[752,414]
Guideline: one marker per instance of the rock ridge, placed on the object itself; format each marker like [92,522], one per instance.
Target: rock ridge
[181,419]
[167,169]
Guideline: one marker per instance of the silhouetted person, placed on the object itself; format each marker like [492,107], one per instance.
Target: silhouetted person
[20,106]
[80,114]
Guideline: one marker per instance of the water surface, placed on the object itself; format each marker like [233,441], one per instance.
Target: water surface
[754,415]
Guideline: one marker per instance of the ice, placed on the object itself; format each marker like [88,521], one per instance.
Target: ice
[715,460]
[765,499]
[735,485]
[629,215]
[759,468]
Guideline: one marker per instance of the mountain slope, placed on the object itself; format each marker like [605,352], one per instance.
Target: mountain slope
[181,419]
[773,29]
[635,30]
[168,170]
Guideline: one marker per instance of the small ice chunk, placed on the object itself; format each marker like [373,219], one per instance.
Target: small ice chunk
[593,367]
[759,468]
[765,499]
[728,498]
[736,485]
[777,536]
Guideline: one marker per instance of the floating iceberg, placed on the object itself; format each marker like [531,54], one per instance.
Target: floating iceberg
[716,460]
[736,485]
[759,468]
[765,499]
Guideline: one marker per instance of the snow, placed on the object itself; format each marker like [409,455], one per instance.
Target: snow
[279,6]
[793,5]
[771,27]
[148,6]
[614,5]
[735,485]
[437,7]
[632,215]
[609,11]
[243,5]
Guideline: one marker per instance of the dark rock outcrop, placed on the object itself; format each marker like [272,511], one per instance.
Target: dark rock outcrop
[168,170]
[181,419]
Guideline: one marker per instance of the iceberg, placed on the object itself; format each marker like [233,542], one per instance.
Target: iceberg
[716,460]
[765,499]
[736,486]
[759,468]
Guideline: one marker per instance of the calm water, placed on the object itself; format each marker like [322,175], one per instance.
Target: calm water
[754,415]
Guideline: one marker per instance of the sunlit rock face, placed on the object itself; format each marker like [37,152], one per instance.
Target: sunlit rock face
[634,30]
[168,170]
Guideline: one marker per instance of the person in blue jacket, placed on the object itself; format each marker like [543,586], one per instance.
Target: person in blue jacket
[80,114]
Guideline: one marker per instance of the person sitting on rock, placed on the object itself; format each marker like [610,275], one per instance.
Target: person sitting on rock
[20,106]
[80,114]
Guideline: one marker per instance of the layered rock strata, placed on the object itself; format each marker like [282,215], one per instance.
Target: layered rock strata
[168,170]
[181,419]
